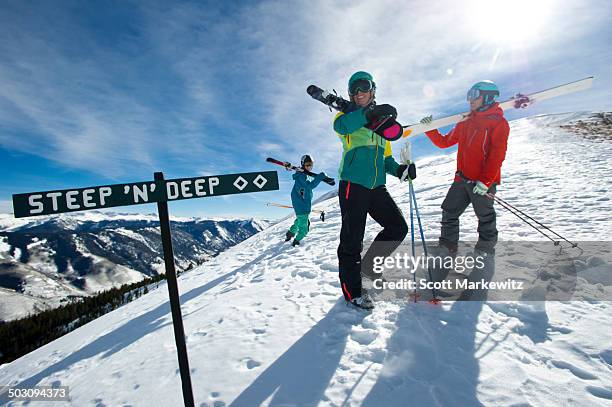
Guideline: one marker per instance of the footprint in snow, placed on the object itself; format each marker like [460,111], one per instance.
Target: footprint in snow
[327,266]
[216,403]
[560,329]
[226,290]
[606,356]
[250,363]
[257,279]
[520,263]
[364,337]
[576,371]
[307,273]
[600,392]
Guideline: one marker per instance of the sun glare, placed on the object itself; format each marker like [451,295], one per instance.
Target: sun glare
[511,23]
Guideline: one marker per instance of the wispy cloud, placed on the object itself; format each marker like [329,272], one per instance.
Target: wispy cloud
[125,89]
[108,109]
[424,57]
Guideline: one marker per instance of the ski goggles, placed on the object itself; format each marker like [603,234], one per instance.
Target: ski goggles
[361,85]
[473,94]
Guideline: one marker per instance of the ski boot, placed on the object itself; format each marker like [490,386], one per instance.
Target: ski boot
[288,236]
[483,252]
[363,302]
[295,243]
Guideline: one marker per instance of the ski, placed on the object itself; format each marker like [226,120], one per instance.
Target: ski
[320,212]
[330,99]
[519,101]
[290,207]
[327,180]
[387,127]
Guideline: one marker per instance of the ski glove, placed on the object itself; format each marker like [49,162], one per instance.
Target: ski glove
[427,119]
[406,171]
[406,153]
[375,113]
[480,188]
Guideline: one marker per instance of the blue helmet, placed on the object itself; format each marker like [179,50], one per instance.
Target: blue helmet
[487,89]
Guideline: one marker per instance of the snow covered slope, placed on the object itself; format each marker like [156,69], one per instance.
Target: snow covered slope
[265,323]
[48,260]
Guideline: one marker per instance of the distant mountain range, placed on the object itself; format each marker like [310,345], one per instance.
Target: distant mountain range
[49,260]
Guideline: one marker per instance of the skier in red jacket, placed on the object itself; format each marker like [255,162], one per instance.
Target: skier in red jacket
[482,138]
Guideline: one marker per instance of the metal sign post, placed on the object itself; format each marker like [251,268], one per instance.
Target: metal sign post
[160,191]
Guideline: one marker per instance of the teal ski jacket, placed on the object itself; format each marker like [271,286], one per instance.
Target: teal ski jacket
[301,194]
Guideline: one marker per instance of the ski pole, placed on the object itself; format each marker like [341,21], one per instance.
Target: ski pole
[435,299]
[507,205]
[518,215]
[412,239]
[500,200]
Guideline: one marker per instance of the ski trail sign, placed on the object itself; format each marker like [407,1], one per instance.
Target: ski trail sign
[517,102]
[99,197]
[160,191]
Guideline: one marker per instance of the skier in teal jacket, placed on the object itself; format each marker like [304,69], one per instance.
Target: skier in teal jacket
[301,199]
[366,159]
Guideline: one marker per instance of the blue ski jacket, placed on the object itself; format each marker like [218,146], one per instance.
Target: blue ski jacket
[301,194]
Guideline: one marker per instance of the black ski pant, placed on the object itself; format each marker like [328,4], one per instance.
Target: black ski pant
[356,202]
[459,196]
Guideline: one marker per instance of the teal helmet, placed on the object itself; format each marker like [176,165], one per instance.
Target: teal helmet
[487,89]
[361,81]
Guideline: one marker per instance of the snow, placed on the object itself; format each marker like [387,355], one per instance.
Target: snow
[109,274]
[131,234]
[265,323]
[9,223]
[14,305]
[4,247]
[41,257]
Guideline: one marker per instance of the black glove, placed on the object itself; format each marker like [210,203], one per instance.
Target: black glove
[411,171]
[375,113]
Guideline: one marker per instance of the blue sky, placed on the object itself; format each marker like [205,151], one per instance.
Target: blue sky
[93,93]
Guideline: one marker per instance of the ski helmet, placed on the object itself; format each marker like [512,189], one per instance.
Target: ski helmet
[485,88]
[361,81]
[306,159]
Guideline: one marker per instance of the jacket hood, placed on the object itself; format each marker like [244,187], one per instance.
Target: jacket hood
[298,174]
[494,110]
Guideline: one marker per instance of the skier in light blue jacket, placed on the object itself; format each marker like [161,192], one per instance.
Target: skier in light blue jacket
[301,199]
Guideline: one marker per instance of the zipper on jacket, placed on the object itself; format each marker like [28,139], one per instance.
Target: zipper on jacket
[484,153]
[375,166]
[352,157]
[472,138]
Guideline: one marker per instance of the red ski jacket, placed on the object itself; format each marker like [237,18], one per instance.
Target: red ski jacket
[482,139]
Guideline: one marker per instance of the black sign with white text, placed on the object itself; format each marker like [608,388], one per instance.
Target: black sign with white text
[71,200]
